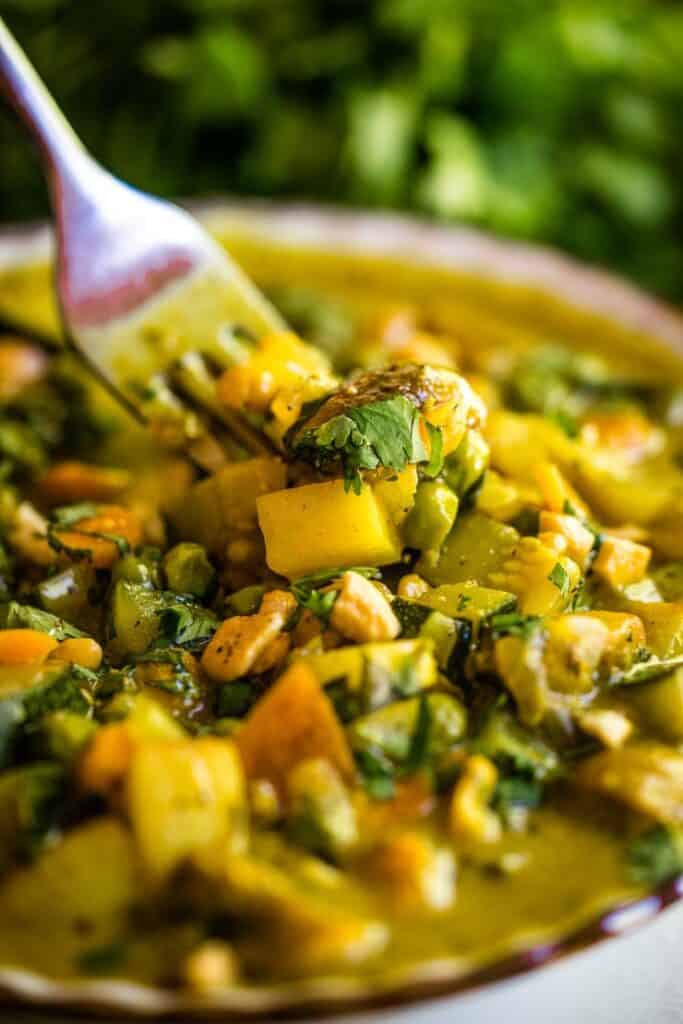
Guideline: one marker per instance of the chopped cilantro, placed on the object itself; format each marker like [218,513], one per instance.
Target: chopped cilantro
[646,671]
[377,773]
[309,595]
[513,624]
[419,741]
[559,578]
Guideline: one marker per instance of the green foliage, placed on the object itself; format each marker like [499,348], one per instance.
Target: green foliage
[555,121]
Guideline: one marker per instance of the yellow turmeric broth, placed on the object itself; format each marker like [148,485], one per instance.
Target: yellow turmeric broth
[405,685]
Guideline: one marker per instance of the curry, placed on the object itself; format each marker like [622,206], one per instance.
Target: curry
[406,685]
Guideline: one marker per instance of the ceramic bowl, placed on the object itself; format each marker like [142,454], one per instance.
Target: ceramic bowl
[632,978]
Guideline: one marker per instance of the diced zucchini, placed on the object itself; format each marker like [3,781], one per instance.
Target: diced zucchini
[432,516]
[370,675]
[141,617]
[476,547]
[321,816]
[451,636]
[30,801]
[512,747]
[66,594]
[188,570]
[391,729]
[319,526]
[468,601]
[465,467]
[64,734]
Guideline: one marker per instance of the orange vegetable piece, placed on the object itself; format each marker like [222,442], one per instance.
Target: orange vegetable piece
[72,481]
[24,646]
[105,761]
[293,722]
[79,651]
[89,536]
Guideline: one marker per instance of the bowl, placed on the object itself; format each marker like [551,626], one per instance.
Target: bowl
[637,976]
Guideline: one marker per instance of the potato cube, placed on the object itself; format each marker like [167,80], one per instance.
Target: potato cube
[321,526]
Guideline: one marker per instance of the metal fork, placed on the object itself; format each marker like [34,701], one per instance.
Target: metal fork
[147,297]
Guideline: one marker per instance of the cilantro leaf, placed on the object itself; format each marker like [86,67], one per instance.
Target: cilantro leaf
[558,577]
[513,624]
[646,671]
[309,595]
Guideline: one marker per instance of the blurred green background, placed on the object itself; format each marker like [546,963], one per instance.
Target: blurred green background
[557,120]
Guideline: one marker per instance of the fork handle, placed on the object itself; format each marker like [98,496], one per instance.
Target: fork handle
[59,145]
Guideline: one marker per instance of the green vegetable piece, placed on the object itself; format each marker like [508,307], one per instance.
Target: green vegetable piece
[411,615]
[64,734]
[476,547]
[514,748]
[391,730]
[432,516]
[236,699]
[245,601]
[67,594]
[559,577]
[141,618]
[647,671]
[656,856]
[464,468]
[23,616]
[321,816]
[188,570]
[468,601]
[514,796]
[31,800]
[142,569]
[452,640]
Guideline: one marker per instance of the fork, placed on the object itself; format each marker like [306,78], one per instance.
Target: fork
[152,303]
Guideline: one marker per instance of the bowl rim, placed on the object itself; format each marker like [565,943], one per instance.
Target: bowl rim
[462,250]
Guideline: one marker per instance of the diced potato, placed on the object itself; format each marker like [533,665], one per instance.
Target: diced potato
[321,526]
[663,623]
[647,777]
[184,796]
[621,561]
[226,501]
[294,721]
[660,706]
[77,896]
[397,494]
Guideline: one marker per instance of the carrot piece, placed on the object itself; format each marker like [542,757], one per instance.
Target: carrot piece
[79,651]
[105,762]
[24,646]
[71,481]
[293,722]
[89,537]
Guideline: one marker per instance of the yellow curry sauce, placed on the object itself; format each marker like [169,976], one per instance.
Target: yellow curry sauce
[407,687]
